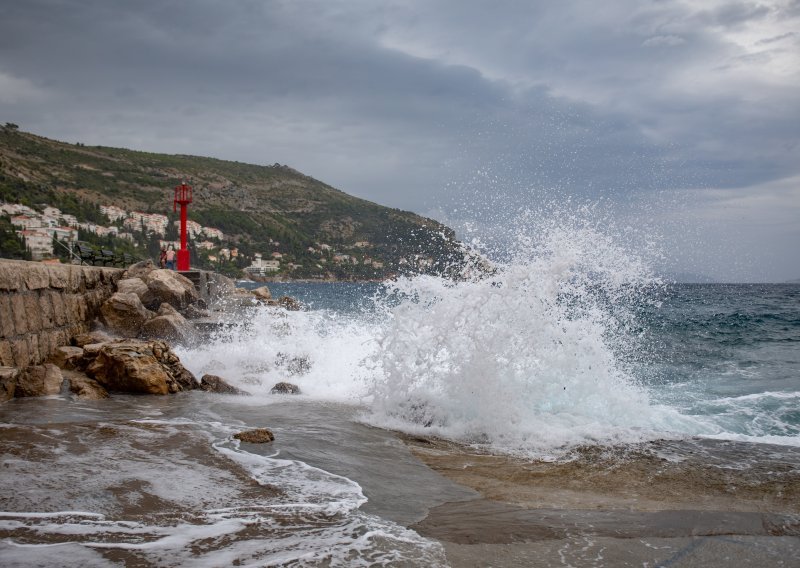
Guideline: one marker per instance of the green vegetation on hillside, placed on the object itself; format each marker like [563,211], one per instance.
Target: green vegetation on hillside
[271,210]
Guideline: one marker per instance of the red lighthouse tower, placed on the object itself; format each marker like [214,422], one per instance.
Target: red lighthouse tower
[183,195]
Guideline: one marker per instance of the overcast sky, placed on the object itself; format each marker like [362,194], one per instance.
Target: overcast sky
[681,116]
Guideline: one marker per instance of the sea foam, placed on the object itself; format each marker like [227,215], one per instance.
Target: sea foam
[533,353]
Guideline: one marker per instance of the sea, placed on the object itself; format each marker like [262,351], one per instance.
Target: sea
[574,343]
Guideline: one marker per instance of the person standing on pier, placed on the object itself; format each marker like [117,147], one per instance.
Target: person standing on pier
[170,258]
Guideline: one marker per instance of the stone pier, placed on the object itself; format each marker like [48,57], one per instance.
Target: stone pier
[42,306]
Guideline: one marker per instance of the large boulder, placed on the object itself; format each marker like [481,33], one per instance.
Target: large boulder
[123,313]
[39,380]
[8,382]
[213,383]
[173,288]
[262,293]
[136,366]
[140,269]
[169,325]
[138,287]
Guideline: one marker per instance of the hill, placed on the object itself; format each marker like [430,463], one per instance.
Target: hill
[318,231]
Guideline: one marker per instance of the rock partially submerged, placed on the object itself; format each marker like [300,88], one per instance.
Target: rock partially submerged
[262,293]
[257,436]
[289,303]
[122,365]
[83,387]
[285,388]
[39,380]
[136,366]
[8,382]
[213,383]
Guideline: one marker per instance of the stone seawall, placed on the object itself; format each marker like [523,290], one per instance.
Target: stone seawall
[42,306]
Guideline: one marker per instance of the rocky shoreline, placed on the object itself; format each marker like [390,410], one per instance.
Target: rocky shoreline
[127,348]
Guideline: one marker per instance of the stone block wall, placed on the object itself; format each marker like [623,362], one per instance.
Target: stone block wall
[42,306]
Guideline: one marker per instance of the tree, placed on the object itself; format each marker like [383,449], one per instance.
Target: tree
[171,234]
[10,127]
[12,245]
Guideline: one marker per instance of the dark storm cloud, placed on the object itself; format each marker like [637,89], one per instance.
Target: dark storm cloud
[403,102]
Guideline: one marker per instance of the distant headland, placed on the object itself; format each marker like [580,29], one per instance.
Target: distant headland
[246,220]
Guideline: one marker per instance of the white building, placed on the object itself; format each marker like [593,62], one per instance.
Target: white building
[166,244]
[27,221]
[193,228]
[50,211]
[213,233]
[62,233]
[16,209]
[113,212]
[152,222]
[88,227]
[38,242]
[105,231]
[261,267]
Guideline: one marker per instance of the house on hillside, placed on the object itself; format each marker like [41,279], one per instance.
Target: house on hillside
[151,222]
[213,233]
[38,242]
[261,267]
[193,228]
[16,209]
[27,222]
[113,212]
[52,212]
[62,233]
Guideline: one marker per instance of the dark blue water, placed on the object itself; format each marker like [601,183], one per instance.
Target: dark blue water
[731,352]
